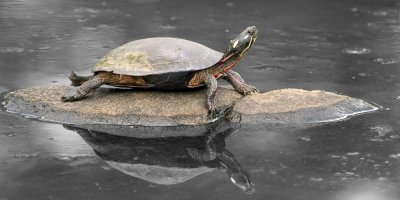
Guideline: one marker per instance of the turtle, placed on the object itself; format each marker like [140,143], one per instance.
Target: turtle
[167,63]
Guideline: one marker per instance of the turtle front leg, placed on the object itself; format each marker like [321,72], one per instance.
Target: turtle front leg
[212,85]
[238,83]
[83,90]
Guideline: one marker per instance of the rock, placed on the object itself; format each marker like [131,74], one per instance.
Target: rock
[288,107]
[119,106]
[296,106]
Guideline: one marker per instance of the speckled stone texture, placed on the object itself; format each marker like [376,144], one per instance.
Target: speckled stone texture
[157,108]
[297,106]
[116,106]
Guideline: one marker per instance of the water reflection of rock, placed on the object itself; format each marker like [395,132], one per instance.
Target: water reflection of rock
[169,160]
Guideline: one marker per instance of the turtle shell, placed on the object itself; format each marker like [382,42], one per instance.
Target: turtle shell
[158,56]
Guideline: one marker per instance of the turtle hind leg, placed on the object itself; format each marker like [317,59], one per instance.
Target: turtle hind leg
[77,80]
[238,83]
[80,92]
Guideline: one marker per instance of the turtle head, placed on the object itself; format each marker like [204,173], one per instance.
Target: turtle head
[242,42]
[236,49]
[239,46]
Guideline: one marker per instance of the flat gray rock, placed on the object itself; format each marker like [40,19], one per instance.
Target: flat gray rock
[297,107]
[290,107]
[119,106]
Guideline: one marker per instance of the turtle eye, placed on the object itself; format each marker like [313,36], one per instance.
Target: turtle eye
[251,32]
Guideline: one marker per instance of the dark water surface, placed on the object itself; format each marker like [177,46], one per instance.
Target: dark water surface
[349,47]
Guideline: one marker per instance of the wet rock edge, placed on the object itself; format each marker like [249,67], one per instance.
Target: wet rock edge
[339,111]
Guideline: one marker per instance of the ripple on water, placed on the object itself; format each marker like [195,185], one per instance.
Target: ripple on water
[108,168]
[11,50]
[346,175]
[315,179]
[356,51]
[68,158]
[101,27]
[307,139]
[168,27]
[25,155]
[86,10]
[44,48]
[354,9]
[381,130]
[12,134]
[386,61]
[363,74]
[396,156]
[81,20]
[230,4]
[380,13]
[353,153]
[264,67]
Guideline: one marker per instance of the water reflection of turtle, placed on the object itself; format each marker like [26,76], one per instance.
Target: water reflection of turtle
[168,160]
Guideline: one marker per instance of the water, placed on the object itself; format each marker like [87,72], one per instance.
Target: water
[349,47]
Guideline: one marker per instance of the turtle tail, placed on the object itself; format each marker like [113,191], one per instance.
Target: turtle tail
[78,80]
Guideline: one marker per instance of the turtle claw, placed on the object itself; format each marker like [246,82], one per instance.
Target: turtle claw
[212,112]
[216,114]
[74,79]
[77,80]
[73,75]
[212,115]
[71,95]
[67,98]
[249,89]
